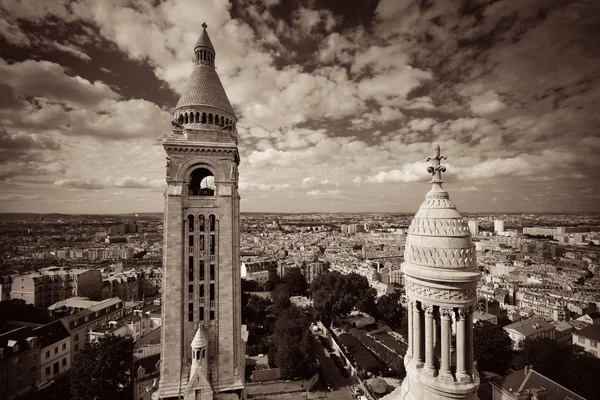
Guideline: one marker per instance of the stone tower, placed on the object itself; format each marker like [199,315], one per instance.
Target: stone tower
[441,274]
[202,340]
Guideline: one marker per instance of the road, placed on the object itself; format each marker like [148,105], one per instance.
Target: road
[341,384]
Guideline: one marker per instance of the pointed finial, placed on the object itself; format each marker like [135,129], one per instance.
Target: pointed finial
[436,168]
[204,25]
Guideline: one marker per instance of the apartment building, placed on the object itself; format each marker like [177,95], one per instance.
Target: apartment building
[55,351]
[80,323]
[19,361]
[50,285]
[547,307]
[531,328]
[588,338]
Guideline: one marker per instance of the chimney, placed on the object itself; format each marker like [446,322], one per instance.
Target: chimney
[526,370]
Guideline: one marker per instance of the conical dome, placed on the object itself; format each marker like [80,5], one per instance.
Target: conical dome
[438,236]
[200,339]
[204,39]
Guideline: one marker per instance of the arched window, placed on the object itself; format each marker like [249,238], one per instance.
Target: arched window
[203,117]
[211,222]
[191,222]
[191,118]
[222,120]
[217,119]
[181,118]
[210,119]
[201,223]
[186,118]
[197,117]
[202,183]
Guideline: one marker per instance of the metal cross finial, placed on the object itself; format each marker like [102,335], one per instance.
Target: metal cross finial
[436,168]
[204,25]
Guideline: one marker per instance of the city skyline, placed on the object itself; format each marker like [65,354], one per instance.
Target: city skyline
[336,108]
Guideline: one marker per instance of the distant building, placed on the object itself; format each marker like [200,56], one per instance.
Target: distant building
[553,308]
[49,285]
[498,226]
[124,229]
[474,227]
[592,318]
[564,332]
[588,338]
[314,269]
[531,328]
[483,316]
[261,277]
[146,367]
[527,384]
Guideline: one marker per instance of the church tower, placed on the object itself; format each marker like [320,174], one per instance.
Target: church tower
[441,274]
[202,339]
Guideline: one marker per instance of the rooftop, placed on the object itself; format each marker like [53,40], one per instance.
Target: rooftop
[529,379]
[530,326]
[591,332]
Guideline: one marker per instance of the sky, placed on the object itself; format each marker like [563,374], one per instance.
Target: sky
[337,102]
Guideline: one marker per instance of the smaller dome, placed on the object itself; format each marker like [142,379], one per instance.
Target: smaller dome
[204,40]
[200,339]
[378,385]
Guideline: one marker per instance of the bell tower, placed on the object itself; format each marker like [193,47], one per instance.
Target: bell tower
[441,274]
[202,340]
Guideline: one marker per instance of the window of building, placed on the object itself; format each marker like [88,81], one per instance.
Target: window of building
[47,371]
[191,240]
[212,292]
[191,223]
[201,242]
[64,361]
[16,372]
[76,347]
[17,385]
[77,337]
[212,315]
[212,272]
[581,339]
[56,350]
[593,343]
[201,223]
[55,367]
[212,245]
[48,354]
[201,273]
[32,369]
[64,346]
[201,291]
[201,316]
[32,356]
[190,312]
[191,268]
[212,222]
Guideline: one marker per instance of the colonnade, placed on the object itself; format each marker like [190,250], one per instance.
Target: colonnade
[430,339]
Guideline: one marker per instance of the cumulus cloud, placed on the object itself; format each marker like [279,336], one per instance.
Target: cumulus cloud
[487,103]
[252,186]
[20,197]
[408,173]
[323,193]
[88,184]
[72,50]
[138,183]
[312,182]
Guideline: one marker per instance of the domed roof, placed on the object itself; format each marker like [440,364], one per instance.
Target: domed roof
[438,236]
[200,339]
[205,89]
[204,40]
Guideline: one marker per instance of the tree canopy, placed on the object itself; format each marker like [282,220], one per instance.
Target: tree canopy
[492,347]
[335,295]
[102,370]
[18,310]
[295,281]
[291,344]
[390,310]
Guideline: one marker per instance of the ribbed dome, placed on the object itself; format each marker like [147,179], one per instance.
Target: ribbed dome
[205,89]
[438,236]
[200,339]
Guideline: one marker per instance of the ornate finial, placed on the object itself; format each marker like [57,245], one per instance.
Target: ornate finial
[436,168]
[204,25]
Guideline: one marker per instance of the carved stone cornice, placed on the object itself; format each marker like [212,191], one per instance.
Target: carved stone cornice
[436,257]
[440,294]
[439,227]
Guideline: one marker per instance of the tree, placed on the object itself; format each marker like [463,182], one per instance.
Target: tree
[295,281]
[273,281]
[102,370]
[290,347]
[390,310]
[492,347]
[335,295]
[18,310]
[281,299]
[251,286]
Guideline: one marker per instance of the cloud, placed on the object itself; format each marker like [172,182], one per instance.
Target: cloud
[70,49]
[408,173]
[13,33]
[252,186]
[138,183]
[323,193]
[20,197]
[421,125]
[312,182]
[487,103]
[88,184]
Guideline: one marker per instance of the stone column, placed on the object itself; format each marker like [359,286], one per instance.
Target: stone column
[469,337]
[409,316]
[416,334]
[446,339]
[429,340]
[461,370]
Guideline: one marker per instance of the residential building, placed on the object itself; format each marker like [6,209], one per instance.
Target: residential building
[532,328]
[483,316]
[55,351]
[80,323]
[49,285]
[564,332]
[19,362]
[5,287]
[146,367]
[591,318]
[547,307]
[474,227]
[498,226]
[528,384]
[588,338]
